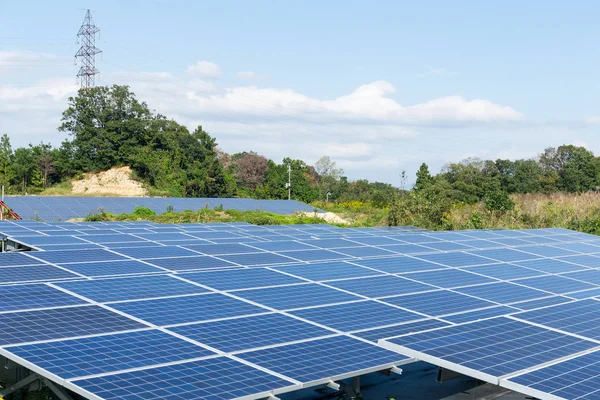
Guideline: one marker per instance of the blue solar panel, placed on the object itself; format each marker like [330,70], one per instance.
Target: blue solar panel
[266,330]
[241,278]
[504,271]
[143,253]
[374,335]
[109,353]
[439,302]
[448,246]
[478,315]
[190,263]
[399,264]
[15,259]
[364,252]
[27,297]
[217,249]
[407,248]
[297,296]
[576,378]
[381,286]
[456,259]
[580,317]
[61,323]
[143,287]
[106,268]
[550,265]
[203,379]
[505,255]
[314,255]
[585,260]
[503,292]
[547,251]
[449,278]
[327,270]
[71,256]
[257,259]
[180,310]
[555,284]
[282,246]
[494,347]
[33,273]
[323,358]
[538,303]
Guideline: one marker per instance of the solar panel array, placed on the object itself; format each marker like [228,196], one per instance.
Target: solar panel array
[141,310]
[63,208]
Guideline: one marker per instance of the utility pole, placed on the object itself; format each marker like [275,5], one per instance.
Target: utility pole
[288,185]
[87,52]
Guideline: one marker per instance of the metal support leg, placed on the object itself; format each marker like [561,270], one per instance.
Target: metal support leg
[356,385]
[22,383]
[59,391]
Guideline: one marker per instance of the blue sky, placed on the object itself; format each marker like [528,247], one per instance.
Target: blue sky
[379,86]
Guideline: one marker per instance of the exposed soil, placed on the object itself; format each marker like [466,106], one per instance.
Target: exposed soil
[114,182]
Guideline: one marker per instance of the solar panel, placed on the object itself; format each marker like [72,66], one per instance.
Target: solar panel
[61,323]
[233,334]
[438,303]
[576,378]
[449,278]
[310,362]
[296,296]
[270,305]
[327,270]
[491,348]
[26,297]
[201,379]
[103,354]
[181,310]
[380,286]
[143,287]
[581,318]
[240,278]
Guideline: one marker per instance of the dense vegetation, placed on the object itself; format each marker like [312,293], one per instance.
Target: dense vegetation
[487,194]
[109,127]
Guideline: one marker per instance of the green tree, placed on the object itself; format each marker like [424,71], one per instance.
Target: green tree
[423,177]
[6,156]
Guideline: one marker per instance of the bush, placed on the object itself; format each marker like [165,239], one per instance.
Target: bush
[498,201]
[143,213]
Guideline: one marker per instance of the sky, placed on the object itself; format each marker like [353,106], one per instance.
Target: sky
[379,86]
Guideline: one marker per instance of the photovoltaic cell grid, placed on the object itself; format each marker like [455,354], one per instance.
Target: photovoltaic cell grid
[290,295]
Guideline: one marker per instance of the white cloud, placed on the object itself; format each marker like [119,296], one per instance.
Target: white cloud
[440,72]
[204,69]
[364,130]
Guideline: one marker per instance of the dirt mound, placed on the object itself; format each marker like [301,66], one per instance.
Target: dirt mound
[114,182]
[328,216]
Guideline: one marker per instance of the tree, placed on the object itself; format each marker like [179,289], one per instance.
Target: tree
[106,125]
[249,169]
[326,174]
[423,177]
[6,155]
[23,166]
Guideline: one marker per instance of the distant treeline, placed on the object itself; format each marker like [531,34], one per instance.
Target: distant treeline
[109,127]
[568,168]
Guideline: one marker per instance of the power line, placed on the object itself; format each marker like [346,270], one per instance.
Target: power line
[87,52]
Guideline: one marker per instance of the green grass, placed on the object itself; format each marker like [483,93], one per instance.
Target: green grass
[206,215]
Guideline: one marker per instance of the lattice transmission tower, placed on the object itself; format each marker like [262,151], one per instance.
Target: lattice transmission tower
[87,52]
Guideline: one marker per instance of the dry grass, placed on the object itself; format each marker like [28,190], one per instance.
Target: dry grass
[530,211]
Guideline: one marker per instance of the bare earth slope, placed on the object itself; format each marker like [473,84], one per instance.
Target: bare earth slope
[114,182]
